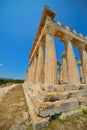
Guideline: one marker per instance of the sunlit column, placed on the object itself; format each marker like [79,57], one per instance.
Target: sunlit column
[40,65]
[50,59]
[83,54]
[73,75]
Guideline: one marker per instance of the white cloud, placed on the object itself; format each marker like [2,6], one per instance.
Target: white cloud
[1,65]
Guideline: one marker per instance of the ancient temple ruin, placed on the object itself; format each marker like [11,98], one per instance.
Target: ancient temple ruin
[48,93]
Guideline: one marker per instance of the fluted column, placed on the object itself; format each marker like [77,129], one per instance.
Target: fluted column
[73,75]
[26,79]
[50,59]
[83,54]
[65,70]
[32,70]
[35,67]
[82,73]
[61,74]
[40,65]
[29,74]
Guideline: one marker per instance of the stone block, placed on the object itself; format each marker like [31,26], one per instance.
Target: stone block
[81,93]
[38,122]
[70,114]
[83,101]
[49,88]
[71,87]
[59,88]
[70,104]
[82,107]
[83,86]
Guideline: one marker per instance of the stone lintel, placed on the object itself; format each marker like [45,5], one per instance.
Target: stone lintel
[63,29]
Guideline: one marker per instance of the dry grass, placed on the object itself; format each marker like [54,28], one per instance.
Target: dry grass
[13,111]
[76,123]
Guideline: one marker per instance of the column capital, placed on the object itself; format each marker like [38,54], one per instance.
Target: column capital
[82,45]
[50,30]
[66,38]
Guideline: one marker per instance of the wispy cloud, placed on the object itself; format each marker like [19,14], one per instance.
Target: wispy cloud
[1,65]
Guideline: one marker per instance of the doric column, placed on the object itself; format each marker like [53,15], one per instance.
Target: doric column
[40,65]
[83,54]
[50,59]
[35,68]
[73,75]
[82,73]
[32,70]
[65,70]
[29,74]
[26,79]
[57,82]
[61,74]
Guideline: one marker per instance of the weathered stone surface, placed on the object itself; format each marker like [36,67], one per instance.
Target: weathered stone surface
[59,88]
[40,65]
[83,86]
[45,109]
[73,75]
[83,101]
[50,63]
[83,107]
[49,88]
[81,93]
[65,69]
[83,56]
[38,122]
[71,87]
[72,104]
[70,114]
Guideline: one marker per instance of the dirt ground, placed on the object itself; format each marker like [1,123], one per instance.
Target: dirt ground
[14,112]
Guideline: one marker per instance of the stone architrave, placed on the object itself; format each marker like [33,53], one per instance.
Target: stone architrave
[83,54]
[73,75]
[50,59]
[65,70]
[40,65]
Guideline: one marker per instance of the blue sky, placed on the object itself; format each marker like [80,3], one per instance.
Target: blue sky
[19,20]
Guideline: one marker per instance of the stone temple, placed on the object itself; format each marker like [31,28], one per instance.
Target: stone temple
[47,93]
